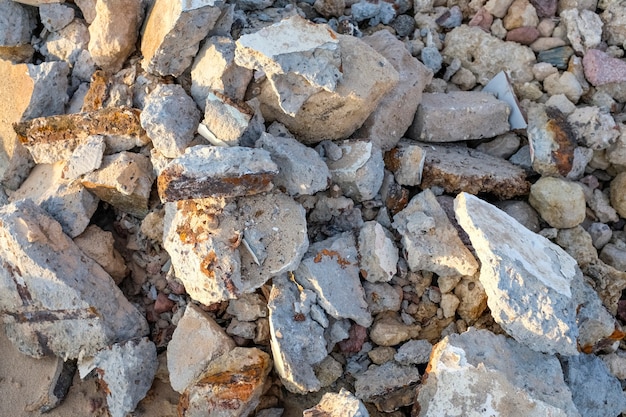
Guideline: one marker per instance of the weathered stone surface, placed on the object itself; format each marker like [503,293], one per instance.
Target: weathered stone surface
[211,171]
[618,194]
[486,55]
[85,158]
[55,16]
[406,161]
[388,330]
[325,263]
[248,307]
[457,168]
[382,297]
[197,341]
[414,352]
[225,120]
[520,13]
[67,202]
[600,68]
[113,32]
[359,171]
[430,241]
[98,245]
[55,304]
[395,112]
[127,370]
[566,84]
[559,202]
[478,370]
[124,180]
[297,341]
[459,115]
[231,385]
[172,33]
[377,252]
[613,18]
[16,24]
[381,382]
[301,170]
[214,69]
[594,128]
[68,43]
[342,404]
[525,35]
[614,254]
[584,29]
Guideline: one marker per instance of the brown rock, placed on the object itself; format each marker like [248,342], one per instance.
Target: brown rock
[524,35]
[545,8]
[163,304]
[483,19]
[97,93]
[520,13]
[330,8]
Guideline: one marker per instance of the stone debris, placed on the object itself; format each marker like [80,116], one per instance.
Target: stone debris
[343,403]
[85,158]
[60,381]
[16,29]
[559,202]
[99,246]
[55,16]
[360,169]
[390,385]
[225,120]
[378,253]
[406,161]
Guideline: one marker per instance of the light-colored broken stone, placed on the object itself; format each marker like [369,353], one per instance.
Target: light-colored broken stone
[338,404]
[406,161]
[360,170]
[380,383]
[225,120]
[86,157]
[55,16]
[559,202]
[377,253]
[98,245]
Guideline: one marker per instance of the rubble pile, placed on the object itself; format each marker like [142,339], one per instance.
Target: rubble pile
[319,208]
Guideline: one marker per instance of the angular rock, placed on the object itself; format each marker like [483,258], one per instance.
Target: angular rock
[473,299]
[457,168]
[406,161]
[325,263]
[395,112]
[559,202]
[231,385]
[297,341]
[502,146]
[381,383]
[430,241]
[211,171]
[388,330]
[55,16]
[613,18]
[248,307]
[16,26]
[124,180]
[59,382]
[382,297]
[68,43]
[520,13]
[197,341]
[86,157]
[61,304]
[225,120]
[301,170]
[172,33]
[613,254]
[360,170]
[98,245]
[67,202]
[459,115]
[342,404]
[126,370]
[377,253]
[584,29]
[414,352]
[618,194]
[593,127]
[478,370]
[113,32]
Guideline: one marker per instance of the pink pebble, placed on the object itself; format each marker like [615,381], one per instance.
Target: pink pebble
[483,19]
[162,303]
[600,68]
[524,35]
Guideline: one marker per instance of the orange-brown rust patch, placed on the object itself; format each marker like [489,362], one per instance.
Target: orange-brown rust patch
[564,137]
[259,181]
[617,335]
[237,384]
[97,93]
[343,262]
[392,159]
[208,264]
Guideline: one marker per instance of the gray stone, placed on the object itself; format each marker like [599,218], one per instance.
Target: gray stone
[600,234]
[326,262]
[379,12]
[459,115]
[225,120]
[552,141]
[360,170]
[502,146]
[378,253]
[127,370]
[478,370]
[595,391]
[301,170]
[85,158]
[430,241]
[68,43]
[432,59]
[197,340]
[594,128]
[98,245]
[297,341]
[170,118]
[523,212]
[243,329]
[342,404]
[613,18]
[616,153]
[584,29]
[16,24]
[382,297]
[382,381]
[61,304]
[414,352]
[614,254]
[616,363]
[55,16]
[560,203]
[600,203]
[248,307]
[406,161]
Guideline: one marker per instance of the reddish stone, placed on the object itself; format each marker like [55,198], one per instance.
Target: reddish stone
[483,19]
[601,68]
[163,304]
[354,343]
[545,8]
[524,35]
[176,286]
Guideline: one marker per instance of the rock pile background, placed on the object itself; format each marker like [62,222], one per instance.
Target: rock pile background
[328,207]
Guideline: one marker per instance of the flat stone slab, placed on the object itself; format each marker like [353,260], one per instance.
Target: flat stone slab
[457,169]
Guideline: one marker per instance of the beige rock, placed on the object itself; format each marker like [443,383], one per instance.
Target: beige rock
[559,202]
[498,8]
[406,161]
[618,194]
[521,13]
[389,331]
[473,299]
[98,245]
[88,7]
[566,84]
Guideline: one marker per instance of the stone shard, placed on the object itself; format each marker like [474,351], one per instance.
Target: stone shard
[478,370]
[211,171]
[430,241]
[342,404]
[584,28]
[61,304]
[197,341]
[297,341]
[55,16]
[17,23]
[226,120]
[98,245]
[594,128]
[331,261]
[459,115]
[360,169]
[395,112]
[377,253]
[172,33]
[384,385]
[406,161]
[86,157]
[458,168]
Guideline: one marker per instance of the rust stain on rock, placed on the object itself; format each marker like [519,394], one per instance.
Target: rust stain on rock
[563,136]
[97,93]
[343,262]
[208,264]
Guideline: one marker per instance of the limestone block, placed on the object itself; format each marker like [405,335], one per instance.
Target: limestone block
[17,23]
[67,202]
[459,115]
[172,33]
[406,161]
[395,112]
[559,202]
[85,158]
[124,180]
[197,340]
[342,404]
[61,304]
[360,170]
[377,253]
[211,171]
[113,32]
[98,245]
[67,43]
[55,16]
[226,120]
[594,128]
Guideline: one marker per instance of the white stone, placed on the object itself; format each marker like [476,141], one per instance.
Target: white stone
[68,43]
[377,252]
[407,162]
[342,404]
[584,29]
[594,128]
[360,170]
[55,16]
[225,119]
[85,158]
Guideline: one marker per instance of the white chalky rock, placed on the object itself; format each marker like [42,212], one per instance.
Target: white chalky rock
[85,158]
[54,299]
[430,241]
[172,33]
[127,370]
[360,170]
[301,170]
[377,253]
[406,161]
[197,340]
[68,43]
[331,269]
[226,121]
[474,374]
[593,127]
[584,28]
[55,16]
[342,404]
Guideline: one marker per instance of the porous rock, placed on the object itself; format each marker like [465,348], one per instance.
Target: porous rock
[98,245]
[559,202]
[584,28]
[226,120]
[377,253]
[380,383]
[594,129]
[360,170]
[343,403]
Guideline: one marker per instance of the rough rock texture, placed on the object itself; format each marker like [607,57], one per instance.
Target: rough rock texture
[380,384]
[226,121]
[378,253]
[594,128]
[54,304]
[406,161]
[85,158]
[618,196]
[98,245]
[342,404]
[55,16]
[17,23]
[559,202]
[359,171]
[477,370]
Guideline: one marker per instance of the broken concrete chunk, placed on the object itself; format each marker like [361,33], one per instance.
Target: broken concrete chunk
[560,203]
[226,120]
[406,161]
[430,241]
[360,170]
[55,304]
[377,253]
[301,170]
[342,404]
[172,33]
[98,245]
[389,330]
[478,370]
[68,43]
[382,297]
[457,168]
[197,341]
[124,180]
[55,16]
[297,341]
[414,352]
[584,28]
[248,307]
[594,128]
[459,115]
[325,263]
[380,383]
[231,385]
[211,171]
[86,157]
[170,118]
